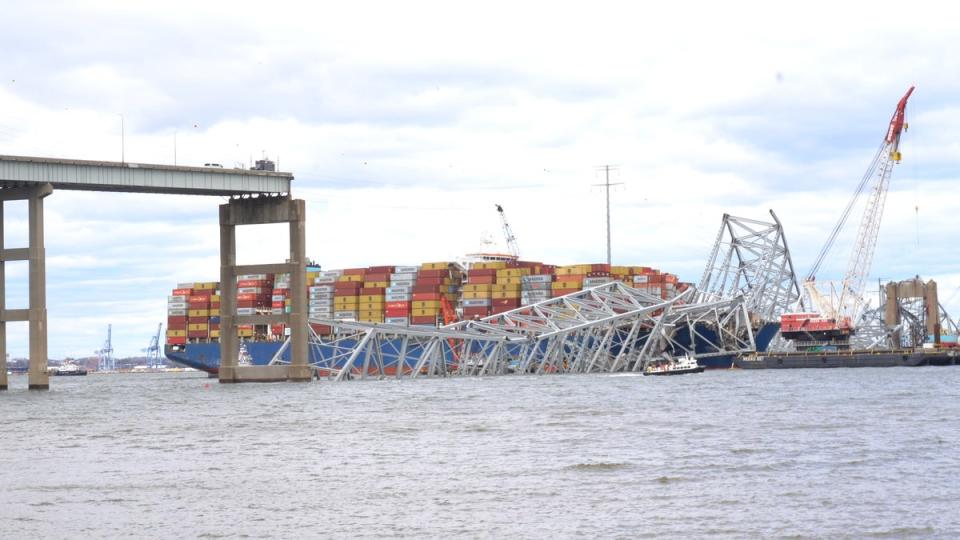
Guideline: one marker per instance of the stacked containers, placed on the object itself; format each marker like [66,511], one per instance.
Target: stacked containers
[399,295]
[346,294]
[478,291]
[569,279]
[280,302]
[320,294]
[372,294]
[214,309]
[177,315]
[198,314]
[254,296]
[506,289]
[597,275]
[432,281]
[535,288]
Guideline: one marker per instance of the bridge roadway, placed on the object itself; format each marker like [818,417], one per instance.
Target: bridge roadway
[257,197]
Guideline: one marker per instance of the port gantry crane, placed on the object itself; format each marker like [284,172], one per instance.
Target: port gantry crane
[153,350]
[839,306]
[105,360]
[512,247]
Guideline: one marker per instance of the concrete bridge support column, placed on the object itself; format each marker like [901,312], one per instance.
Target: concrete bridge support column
[36,314]
[258,211]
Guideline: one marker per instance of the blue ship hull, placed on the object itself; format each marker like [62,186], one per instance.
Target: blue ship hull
[206,356]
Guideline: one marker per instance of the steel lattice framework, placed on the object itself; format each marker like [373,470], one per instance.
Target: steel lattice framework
[751,259]
[608,328]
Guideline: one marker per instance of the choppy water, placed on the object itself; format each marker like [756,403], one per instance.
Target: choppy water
[798,453]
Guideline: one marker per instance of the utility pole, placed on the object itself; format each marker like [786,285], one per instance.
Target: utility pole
[606,185]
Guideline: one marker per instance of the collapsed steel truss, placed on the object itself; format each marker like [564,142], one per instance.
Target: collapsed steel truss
[608,328]
[751,259]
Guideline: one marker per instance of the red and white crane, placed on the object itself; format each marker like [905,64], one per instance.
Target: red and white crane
[842,303]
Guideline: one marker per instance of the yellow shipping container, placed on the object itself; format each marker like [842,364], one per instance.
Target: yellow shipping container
[346,301]
[497,295]
[215,312]
[215,334]
[376,298]
[312,275]
[198,312]
[512,272]
[370,315]
[511,280]
[622,270]
[214,298]
[371,306]
[502,287]
[245,333]
[477,287]
[380,284]
[425,312]
[567,284]
[196,327]
[176,333]
[426,304]
[491,265]
[435,266]
[206,286]
[472,295]
[351,277]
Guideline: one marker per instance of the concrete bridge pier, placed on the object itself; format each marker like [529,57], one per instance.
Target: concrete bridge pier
[258,211]
[36,313]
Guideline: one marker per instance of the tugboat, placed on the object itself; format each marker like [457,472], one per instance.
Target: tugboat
[679,366]
[68,369]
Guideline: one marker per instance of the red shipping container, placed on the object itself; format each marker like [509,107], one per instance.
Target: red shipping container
[182,292]
[600,268]
[205,298]
[196,320]
[355,271]
[374,291]
[420,297]
[244,297]
[277,304]
[380,270]
[480,311]
[427,319]
[397,305]
[433,273]
[197,333]
[285,292]
[248,304]
[425,289]
[376,277]
[481,280]
[176,319]
[277,329]
[254,283]
[176,341]
[429,280]
[396,312]
[177,325]
[321,329]
[482,272]
[514,302]
[347,286]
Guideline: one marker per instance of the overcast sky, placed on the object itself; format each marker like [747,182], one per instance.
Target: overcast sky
[405,122]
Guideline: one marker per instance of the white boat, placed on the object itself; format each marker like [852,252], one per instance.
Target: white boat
[68,369]
[677,366]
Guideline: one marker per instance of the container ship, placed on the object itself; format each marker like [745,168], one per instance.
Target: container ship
[485,285]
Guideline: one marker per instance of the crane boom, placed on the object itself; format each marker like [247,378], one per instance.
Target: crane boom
[838,308]
[512,246]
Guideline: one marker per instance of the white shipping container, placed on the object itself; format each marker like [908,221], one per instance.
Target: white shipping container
[536,286]
[323,288]
[249,290]
[176,305]
[185,285]
[399,290]
[397,320]
[331,273]
[246,311]
[247,277]
[278,298]
[476,302]
[594,281]
[277,311]
[325,279]
[177,298]
[397,297]
[641,279]
[403,276]
[402,283]
[345,314]
[540,278]
[407,269]
[176,313]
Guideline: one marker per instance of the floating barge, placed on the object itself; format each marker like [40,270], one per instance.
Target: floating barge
[889,358]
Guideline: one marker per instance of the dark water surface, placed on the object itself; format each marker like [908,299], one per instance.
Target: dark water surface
[856,453]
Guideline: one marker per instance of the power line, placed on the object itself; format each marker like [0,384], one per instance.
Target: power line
[606,185]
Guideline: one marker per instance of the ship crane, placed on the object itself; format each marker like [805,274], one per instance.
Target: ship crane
[512,247]
[105,353]
[842,304]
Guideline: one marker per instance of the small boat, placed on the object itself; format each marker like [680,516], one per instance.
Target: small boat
[678,366]
[68,369]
